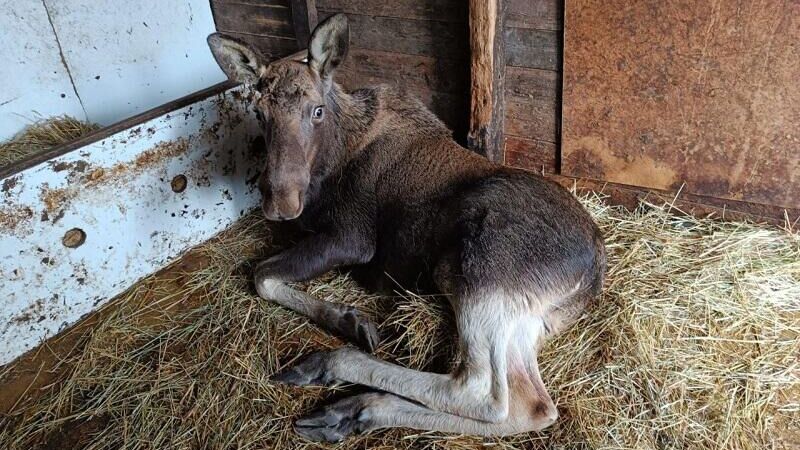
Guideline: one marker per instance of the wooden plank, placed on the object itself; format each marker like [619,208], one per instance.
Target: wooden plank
[536,14]
[531,154]
[103,133]
[284,3]
[256,19]
[537,49]
[117,194]
[437,10]
[304,20]
[487,63]
[270,47]
[534,118]
[412,37]
[452,108]
[698,206]
[409,71]
[524,83]
[662,94]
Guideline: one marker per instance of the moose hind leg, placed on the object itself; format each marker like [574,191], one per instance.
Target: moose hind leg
[478,390]
[342,320]
[367,412]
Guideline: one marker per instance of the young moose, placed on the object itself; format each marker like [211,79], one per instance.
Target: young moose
[383,187]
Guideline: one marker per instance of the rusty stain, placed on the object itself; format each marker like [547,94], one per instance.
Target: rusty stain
[705,95]
[9,184]
[57,199]
[10,218]
[592,154]
[73,238]
[178,183]
[79,166]
[96,174]
[34,311]
[159,153]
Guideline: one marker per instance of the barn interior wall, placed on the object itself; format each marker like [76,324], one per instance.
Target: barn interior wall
[533,38]
[422,46]
[100,61]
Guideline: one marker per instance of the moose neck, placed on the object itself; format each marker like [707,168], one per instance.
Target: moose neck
[354,115]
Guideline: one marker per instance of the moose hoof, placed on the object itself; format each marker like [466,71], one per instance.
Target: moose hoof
[312,371]
[354,327]
[335,422]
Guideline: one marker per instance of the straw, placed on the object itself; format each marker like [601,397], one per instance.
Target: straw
[694,344]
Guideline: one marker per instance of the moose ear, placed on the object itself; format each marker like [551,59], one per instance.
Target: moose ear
[328,45]
[239,62]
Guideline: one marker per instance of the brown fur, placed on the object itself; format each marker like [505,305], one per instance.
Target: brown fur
[381,186]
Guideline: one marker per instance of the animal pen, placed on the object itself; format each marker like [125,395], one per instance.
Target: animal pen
[127,249]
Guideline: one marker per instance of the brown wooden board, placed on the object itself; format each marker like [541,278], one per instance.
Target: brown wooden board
[438,10]
[251,18]
[412,37]
[532,103]
[103,133]
[304,20]
[698,206]
[537,49]
[409,71]
[420,46]
[271,47]
[487,78]
[527,83]
[536,14]
[534,118]
[659,94]
[452,108]
[533,84]
[531,154]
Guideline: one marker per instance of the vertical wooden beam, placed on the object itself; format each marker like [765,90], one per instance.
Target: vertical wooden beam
[304,20]
[487,68]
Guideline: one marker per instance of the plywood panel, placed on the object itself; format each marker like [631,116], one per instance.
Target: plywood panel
[118,191]
[658,94]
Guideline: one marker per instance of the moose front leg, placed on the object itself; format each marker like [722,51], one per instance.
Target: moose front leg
[309,259]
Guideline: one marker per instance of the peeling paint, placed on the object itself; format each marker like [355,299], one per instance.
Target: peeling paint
[118,192]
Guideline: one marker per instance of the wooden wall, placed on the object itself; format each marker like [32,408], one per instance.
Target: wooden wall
[690,96]
[265,24]
[422,46]
[533,83]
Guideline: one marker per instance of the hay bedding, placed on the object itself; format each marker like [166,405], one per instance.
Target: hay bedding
[42,135]
[694,345]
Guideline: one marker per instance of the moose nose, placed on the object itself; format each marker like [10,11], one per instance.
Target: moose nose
[284,205]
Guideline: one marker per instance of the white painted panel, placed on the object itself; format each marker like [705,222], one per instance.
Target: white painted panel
[124,56]
[118,191]
[33,80]
[130,56]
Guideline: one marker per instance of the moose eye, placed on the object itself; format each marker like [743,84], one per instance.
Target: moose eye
[317,114]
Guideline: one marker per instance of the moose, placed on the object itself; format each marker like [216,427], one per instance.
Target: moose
[381,187]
